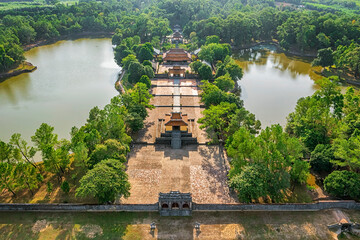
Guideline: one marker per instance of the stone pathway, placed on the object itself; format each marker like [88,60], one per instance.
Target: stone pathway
[176,97]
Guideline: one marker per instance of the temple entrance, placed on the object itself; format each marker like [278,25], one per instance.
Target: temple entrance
[181,204]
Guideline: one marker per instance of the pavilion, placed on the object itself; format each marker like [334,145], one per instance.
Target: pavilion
[176,56]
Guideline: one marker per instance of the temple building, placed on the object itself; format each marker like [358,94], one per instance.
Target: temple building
[176,71]
[176,121]
[177,37]
[175,130]
[176,56]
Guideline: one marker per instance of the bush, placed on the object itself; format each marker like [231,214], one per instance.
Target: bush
[65,187]
[343,184]
[49,187]
[321,157]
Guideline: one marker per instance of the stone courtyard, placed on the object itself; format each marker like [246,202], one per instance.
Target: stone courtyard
[199,170]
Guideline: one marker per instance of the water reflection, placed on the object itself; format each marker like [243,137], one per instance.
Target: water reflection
[273,82]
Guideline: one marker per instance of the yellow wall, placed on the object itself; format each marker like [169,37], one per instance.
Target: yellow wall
[183,128]
[168,128]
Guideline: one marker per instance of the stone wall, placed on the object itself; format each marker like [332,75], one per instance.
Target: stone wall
[79,207]
[278,207]
[162,75]
[195,207]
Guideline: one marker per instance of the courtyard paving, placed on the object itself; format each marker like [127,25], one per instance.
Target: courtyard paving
[199,170]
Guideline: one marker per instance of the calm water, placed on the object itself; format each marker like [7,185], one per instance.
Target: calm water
[72,77]
[273,82]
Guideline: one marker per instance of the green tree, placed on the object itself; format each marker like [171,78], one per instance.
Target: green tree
[110,149]
[347,152]
[26,176]
[299,171]
[146,53]
[250,183]
[216,120]
[22,150]
[121,52]
[125,62]
[234,70]
[8,178]
[316,118]
[205,72]
[106,181]
[136,70]
[211,94]
[243,118]
[147,63]
[146,80]
[212,39]
[5,60]
[348,58]
[324,58]
[321,158]
[6,152]
[140,95]
[272,149]
[195,66]
[324,41]
[343,184]
[55,153]
[148,71]
[214,52]
[225,83]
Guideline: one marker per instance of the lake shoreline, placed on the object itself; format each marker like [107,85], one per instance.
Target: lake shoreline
[68,37]
[25,67]
[279,49]
[15,72]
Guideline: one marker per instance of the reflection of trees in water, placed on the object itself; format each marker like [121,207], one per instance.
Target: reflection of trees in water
[251,55]
[262,56]
[14,89]
[296,67]
[246,57]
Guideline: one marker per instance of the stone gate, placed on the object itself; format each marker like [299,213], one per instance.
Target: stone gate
[175,203]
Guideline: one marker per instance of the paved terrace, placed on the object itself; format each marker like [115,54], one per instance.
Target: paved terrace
[196,169]
[165,104]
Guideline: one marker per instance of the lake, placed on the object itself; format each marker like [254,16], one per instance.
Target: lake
[72,77]
[273,82]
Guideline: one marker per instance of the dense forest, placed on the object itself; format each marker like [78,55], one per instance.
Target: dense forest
[237,23]
[322,134]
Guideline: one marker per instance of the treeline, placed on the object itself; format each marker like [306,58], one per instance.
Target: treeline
[19,29]
[301,30]
[95,154]
[346,58]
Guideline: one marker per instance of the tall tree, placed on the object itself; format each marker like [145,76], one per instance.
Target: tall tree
[106,181]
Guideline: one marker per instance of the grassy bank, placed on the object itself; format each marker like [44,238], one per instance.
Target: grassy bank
[240,225]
